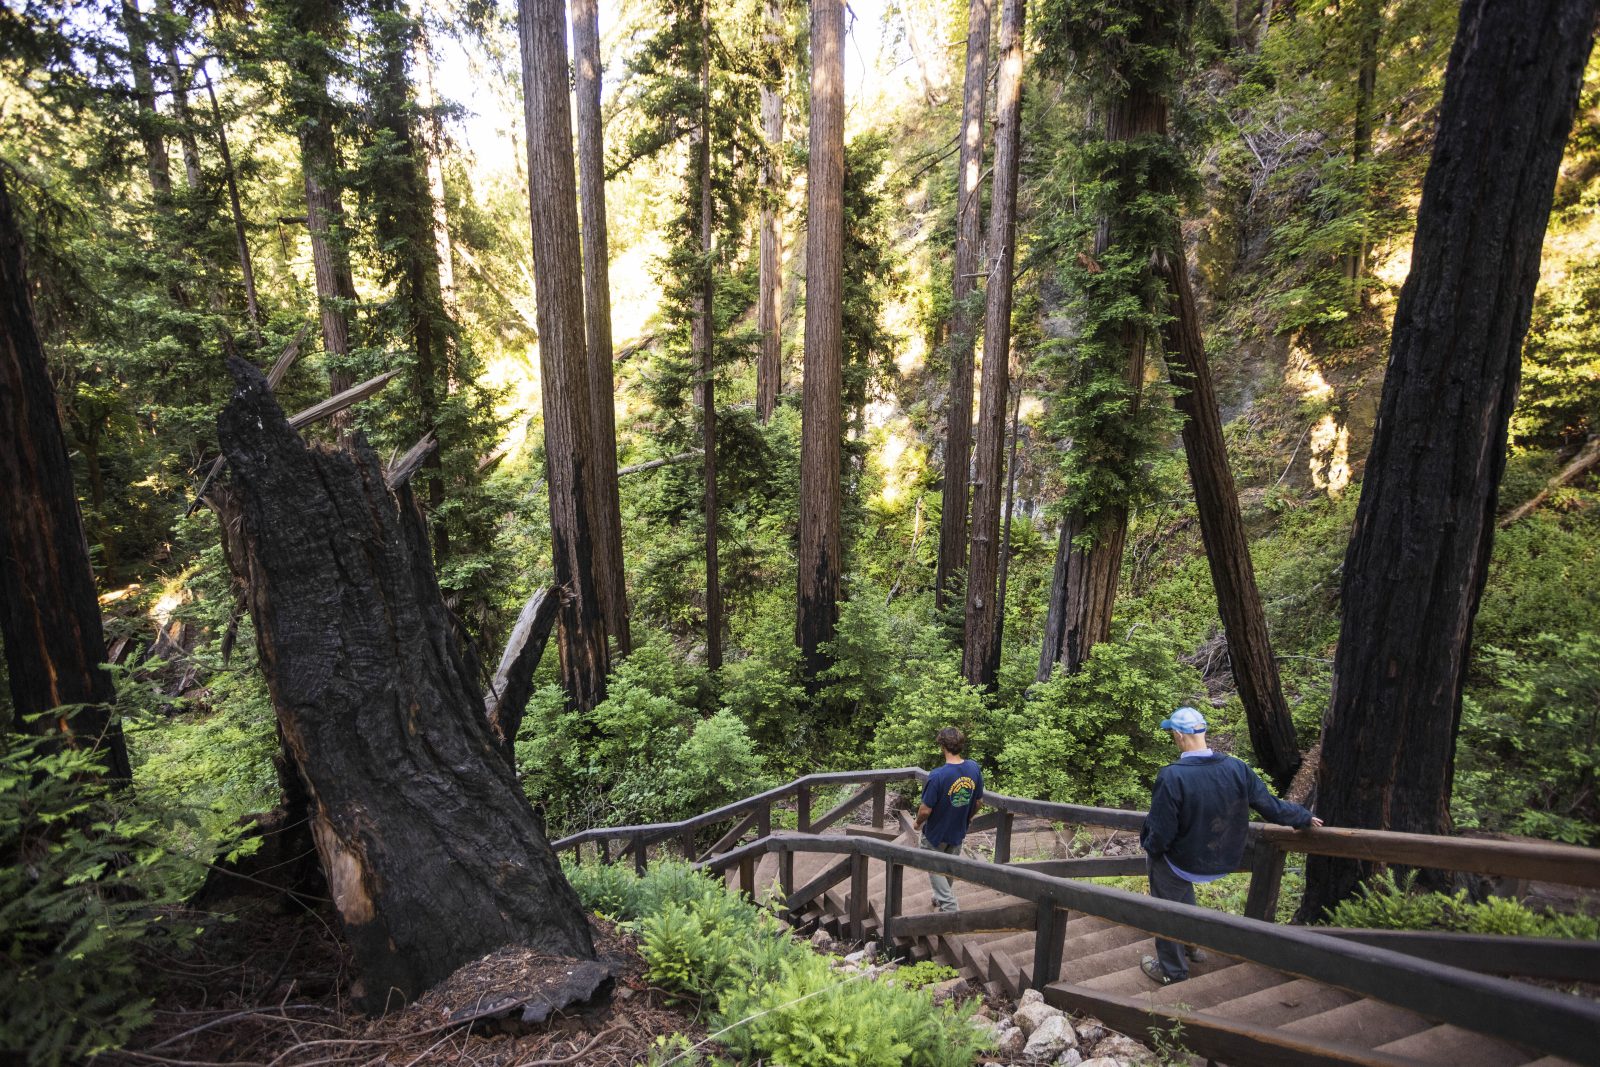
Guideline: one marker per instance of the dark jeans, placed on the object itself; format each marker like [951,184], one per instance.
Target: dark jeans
[1165,885]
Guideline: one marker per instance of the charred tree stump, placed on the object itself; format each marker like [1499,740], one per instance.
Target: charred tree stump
[49,612]
[432,853]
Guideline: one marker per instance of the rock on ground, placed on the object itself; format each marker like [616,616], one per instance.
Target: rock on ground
[1032,1015]
[1053,1037]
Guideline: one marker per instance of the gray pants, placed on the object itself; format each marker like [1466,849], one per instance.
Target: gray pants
[1166,885]
[944,899]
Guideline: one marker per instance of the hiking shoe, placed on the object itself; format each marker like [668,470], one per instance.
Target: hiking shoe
[1195,953]
[1152,970]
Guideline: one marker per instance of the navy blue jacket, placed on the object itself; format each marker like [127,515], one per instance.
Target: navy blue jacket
[1199,810]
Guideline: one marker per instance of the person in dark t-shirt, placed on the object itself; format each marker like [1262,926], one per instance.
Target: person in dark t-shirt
[949,801]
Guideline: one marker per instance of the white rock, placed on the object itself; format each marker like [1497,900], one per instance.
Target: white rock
[1053,1037]
[951,989]
[1030,996]
[1031,1016]
[1004,1021]
[1125,1050]
[856,957]
[1070,1058]
[821,939]
[1101,1061]
[870,949]
[1008,1042]
[1090,1031]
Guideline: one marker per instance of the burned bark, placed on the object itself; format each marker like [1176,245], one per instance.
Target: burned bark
[1424,528]
[49,611]
[431,851]
[1255,671]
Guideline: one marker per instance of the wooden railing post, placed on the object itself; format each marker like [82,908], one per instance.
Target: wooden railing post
[880,803]
[786,884]
[747,875]
[604,847]
[1002,839]
[764,820]
[1049,936]
[686,845]
[802,803]
[1266,877]
[893,893]
[639,849]
[858,897]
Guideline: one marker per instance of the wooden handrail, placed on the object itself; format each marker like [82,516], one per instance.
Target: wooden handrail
[1518,1012]
[1563,864]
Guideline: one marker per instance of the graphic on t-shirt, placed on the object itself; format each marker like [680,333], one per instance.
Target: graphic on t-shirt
[961,791]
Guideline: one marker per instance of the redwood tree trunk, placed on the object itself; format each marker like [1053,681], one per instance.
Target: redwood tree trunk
[706,386]
[431,851]
[964,283]
[980,659]
[563,357]
[49,611]
[821,412]
[769,366]
[1255,671]
[330,259]
[1083,588]
[610,579]
[1425,525]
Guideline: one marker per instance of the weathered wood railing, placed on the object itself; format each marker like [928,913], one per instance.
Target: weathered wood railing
[1553,1022]
[1264,858]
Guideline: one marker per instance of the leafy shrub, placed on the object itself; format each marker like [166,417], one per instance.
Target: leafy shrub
[1092,737]
[924,972]
[1387,903]
[81,873]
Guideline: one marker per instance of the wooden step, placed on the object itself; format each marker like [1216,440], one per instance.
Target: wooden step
[1225,983]
[1363,1022]
[1085,969]
[1276,1005]
[1456,1047]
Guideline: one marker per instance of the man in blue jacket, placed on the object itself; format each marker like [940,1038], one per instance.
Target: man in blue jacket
[949,801]
[1195,831]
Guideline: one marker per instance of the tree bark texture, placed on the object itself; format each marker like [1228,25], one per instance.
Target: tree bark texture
[433,142]
[706,383]
[1424,527]
[1083,588]
[597,321]
[49,611]
[821,412]
[330,258]
[1233,576]
[963,284]
[431,851]
[563,357]
[980,659]
[157,165]
[1368,16]
[769,365]
[1005,522]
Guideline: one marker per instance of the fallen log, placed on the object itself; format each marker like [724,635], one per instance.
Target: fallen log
[1587,459]
[433,855]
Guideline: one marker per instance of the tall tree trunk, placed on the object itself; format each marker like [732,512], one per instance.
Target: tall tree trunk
[246,267]
[769,366]
[1425,525]
[1083,587]
[433,147]
[330,258]
[563,357]
[820,422]
[706,386]
[1368,15]
[597,305]
[49,611]
[179,82]
[1255,671]
[1005,522]
[155,146]
[431,850]
[964,283]
[980,659]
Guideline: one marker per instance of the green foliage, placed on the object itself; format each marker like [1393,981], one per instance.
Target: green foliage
[924,973]
[1387,903]
[82,874]
[1091,737]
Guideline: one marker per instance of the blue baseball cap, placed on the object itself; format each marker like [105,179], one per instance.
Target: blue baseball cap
[1185,721]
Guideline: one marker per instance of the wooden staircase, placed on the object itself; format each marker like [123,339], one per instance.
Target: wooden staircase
[1267,1016]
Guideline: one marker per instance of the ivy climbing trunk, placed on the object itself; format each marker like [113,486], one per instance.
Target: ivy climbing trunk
[1233,576]
[703,331]
[49,610]
[563,357]
[586,72]
[432,853]
[1424,528]
[980,658]
[963,286]
[1088,564]
[821,415]
[769,366]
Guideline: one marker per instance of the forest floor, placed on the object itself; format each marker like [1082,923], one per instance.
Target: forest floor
[270,987]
